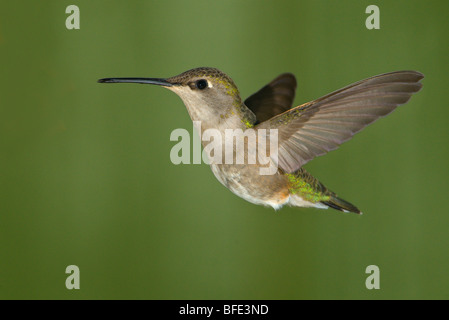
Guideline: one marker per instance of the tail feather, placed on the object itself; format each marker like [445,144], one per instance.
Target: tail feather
[342,205]
[307,191]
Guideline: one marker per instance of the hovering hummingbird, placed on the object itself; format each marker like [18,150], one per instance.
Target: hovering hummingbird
[304,132]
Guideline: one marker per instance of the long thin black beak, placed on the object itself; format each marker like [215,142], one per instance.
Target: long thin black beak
[156,81]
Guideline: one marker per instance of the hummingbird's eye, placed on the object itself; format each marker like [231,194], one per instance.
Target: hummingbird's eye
[201,84]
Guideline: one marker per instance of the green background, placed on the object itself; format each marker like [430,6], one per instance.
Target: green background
[86,177]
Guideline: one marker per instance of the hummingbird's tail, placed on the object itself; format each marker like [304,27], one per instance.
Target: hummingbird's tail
[342,205]
[307,191]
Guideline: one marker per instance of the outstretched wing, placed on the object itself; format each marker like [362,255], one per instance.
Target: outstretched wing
[319,126]
[274,98]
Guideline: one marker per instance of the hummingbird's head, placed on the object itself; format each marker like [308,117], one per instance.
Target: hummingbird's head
[208,93]
[205,88]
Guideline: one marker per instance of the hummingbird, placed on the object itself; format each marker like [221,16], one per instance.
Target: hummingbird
[304,132]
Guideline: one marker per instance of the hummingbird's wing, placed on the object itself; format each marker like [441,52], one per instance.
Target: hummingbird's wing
[319,126]
[274,98]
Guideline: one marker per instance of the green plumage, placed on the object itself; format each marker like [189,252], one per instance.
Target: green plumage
[310,189]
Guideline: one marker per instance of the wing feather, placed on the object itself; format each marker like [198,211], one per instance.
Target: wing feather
[317,127]
[274,98]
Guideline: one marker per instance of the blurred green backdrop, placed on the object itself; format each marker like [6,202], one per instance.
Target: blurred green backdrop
[86,177]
